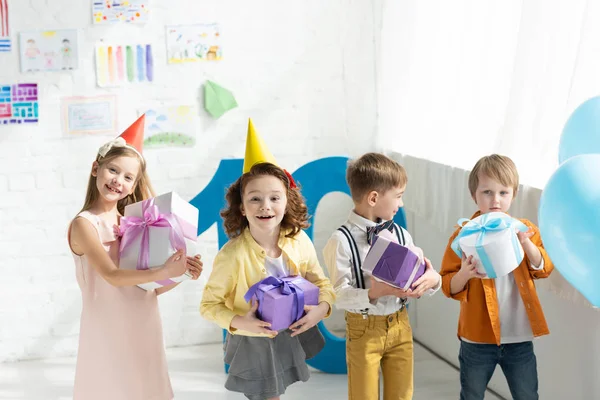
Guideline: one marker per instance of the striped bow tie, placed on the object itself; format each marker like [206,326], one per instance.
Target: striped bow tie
[374,230]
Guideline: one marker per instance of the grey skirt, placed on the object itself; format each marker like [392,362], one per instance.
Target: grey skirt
[262,367]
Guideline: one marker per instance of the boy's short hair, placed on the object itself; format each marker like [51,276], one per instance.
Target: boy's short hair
[374,172]
[499,168]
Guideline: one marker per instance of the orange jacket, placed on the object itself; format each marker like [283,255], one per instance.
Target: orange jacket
[479,320]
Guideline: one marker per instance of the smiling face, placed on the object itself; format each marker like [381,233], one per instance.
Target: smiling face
[386,206]
[264,203]
[492,196]
[116,178]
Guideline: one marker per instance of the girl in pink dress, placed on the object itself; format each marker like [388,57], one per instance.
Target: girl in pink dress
[121,353]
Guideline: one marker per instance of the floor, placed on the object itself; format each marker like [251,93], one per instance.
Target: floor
[197,373]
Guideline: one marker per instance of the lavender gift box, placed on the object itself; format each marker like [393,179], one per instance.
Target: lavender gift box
[281,301]
[393,263]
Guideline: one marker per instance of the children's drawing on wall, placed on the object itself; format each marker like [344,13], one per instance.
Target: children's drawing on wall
[170,127]
[18,103]
[120,64]
[114,11]
[48,50]
[31,56]
[4,31]
[95,114]
[67,54]
[190,43]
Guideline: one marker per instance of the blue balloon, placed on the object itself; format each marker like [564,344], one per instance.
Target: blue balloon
[569,218]
[581,134]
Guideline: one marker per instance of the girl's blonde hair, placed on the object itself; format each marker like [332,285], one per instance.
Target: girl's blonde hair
[142,187]
[296,213]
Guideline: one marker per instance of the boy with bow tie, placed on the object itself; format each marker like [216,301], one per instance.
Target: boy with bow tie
[378,332]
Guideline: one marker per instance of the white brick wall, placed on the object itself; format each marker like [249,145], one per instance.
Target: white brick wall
[304,71]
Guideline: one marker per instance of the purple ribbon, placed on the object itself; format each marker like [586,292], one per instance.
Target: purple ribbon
[132,227]
[287,288]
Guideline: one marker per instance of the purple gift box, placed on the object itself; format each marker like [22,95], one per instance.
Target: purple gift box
[393,263]
[281,301]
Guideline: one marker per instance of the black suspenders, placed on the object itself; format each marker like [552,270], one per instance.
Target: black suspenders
[399,232]
[357,263]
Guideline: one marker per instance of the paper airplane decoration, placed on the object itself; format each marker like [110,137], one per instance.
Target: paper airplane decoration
[217,100]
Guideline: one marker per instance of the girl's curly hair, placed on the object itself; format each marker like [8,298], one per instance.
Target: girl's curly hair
[296,213]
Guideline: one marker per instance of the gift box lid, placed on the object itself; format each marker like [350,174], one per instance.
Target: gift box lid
[488,228]
[171,203]
[382,247]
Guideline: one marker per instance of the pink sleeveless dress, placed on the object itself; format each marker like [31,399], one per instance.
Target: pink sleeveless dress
[121,352]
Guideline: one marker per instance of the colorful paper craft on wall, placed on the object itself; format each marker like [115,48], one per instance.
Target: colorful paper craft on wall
[97,114]
[114,11]
[18,103]
[190,43]
[117,65]
[4,31]
[217,99]
[170,127]
[48,50]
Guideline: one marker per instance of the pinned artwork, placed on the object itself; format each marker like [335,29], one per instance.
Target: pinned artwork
[117,65]
[170,127]
[19,103]
[4,28]
[191,43]
[48,50]
[115,12]
[95,114]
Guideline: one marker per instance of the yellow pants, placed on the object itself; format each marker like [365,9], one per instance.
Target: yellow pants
[379,342]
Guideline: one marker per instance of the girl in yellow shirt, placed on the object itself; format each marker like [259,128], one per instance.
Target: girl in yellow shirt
[264,220]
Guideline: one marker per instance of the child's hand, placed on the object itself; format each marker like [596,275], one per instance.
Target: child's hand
[379,289]
[468,268]
[194,266]
[428,280]
[250,323]
[314,314]
[176,264]
[116,231]
[531,250]
[525,236]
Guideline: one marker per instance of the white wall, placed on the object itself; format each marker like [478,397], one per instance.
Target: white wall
[304,71]
[569,358]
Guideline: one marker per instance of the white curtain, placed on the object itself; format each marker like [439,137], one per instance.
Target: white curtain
[465,78]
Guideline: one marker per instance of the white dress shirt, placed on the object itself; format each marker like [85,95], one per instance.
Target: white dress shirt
[338,259]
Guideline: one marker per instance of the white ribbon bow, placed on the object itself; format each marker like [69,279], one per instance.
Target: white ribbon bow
[118,142]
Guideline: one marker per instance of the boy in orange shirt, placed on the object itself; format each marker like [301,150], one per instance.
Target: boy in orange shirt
[498,317]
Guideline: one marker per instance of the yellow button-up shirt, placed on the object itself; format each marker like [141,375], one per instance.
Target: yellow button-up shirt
[241,263]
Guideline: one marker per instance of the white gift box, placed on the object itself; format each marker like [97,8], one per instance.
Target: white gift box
[497,250]
[160,248]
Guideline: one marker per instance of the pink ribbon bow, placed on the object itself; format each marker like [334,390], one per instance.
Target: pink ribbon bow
[132,227]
